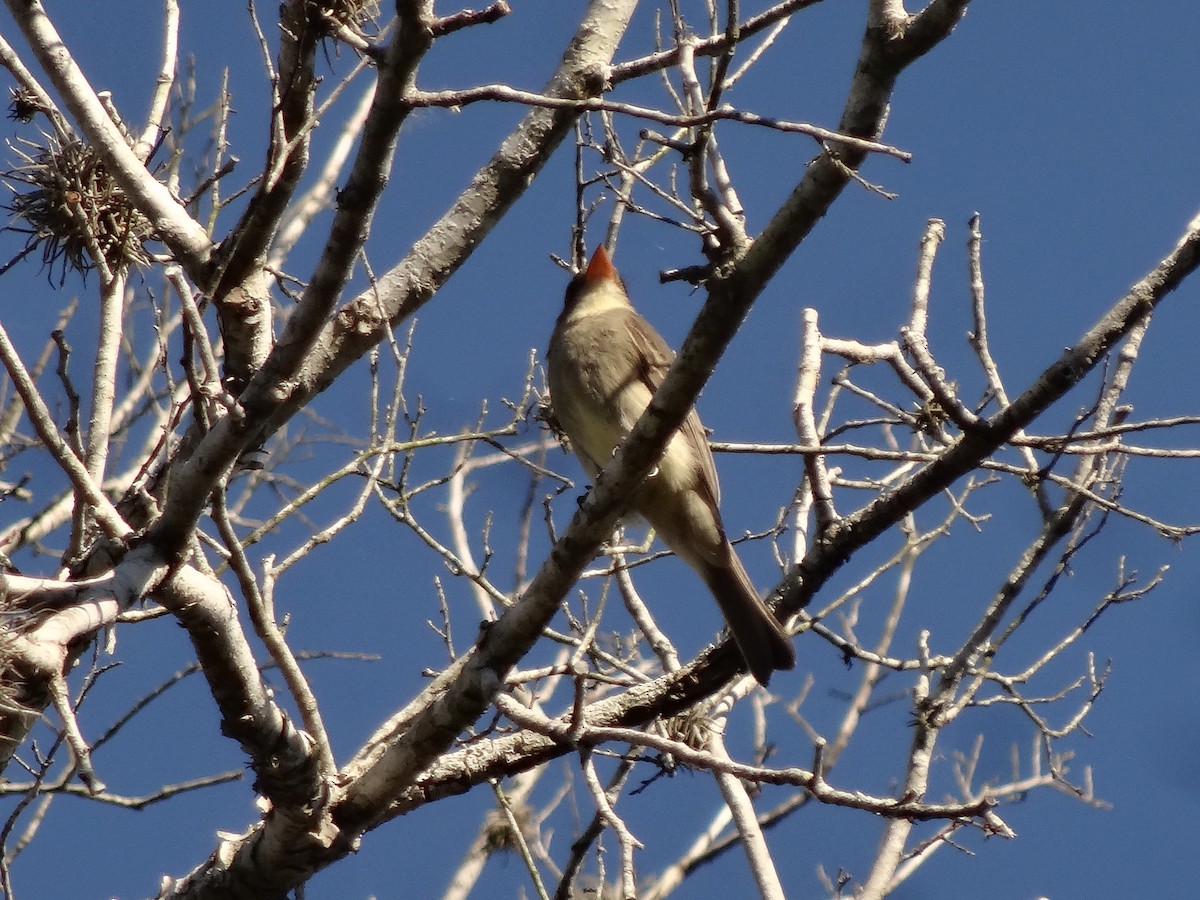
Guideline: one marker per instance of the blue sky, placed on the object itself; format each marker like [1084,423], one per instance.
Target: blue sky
[1071,127]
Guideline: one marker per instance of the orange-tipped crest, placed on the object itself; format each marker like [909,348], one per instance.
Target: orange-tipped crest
[600,268]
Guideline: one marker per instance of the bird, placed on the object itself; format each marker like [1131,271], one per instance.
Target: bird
[603,364]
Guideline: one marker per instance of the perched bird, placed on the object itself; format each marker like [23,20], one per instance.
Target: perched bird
[604,363]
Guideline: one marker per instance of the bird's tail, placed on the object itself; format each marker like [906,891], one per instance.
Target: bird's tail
[758,634]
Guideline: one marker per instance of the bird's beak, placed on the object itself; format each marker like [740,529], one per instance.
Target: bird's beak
[600,268]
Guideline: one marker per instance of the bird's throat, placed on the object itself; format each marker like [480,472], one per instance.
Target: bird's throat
[595,299]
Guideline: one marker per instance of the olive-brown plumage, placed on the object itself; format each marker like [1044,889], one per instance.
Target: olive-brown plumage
[604,363]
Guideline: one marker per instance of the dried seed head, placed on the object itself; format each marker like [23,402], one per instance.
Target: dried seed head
[23,105]
[351,14]
[69,204]
[497,830]
[691,727]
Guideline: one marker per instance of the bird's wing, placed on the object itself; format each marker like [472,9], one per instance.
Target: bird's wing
[658,357]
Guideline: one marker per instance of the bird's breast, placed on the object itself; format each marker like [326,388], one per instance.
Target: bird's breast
[585,387]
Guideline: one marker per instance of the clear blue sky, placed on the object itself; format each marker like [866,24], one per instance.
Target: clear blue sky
[1071,127]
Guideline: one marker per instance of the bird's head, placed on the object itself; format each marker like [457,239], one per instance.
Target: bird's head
[596,289]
